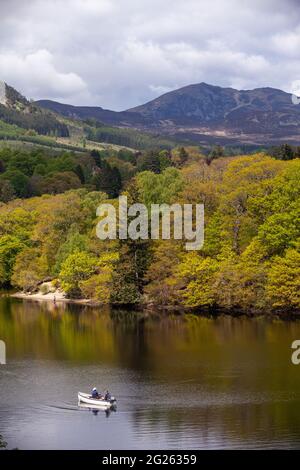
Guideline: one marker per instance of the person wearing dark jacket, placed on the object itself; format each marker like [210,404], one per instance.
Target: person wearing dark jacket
[95,393]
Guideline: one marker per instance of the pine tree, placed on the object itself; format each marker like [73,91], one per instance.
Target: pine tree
[149,161]
[216,152]
[116,181]
[95,154]
[108,180]
[79,172]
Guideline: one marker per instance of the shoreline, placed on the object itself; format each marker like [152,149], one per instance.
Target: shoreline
[158,309]
[50,298]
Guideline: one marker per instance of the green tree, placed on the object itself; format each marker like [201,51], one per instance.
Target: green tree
[280,230]
[283,284]
[165,159]
[199,274]
[99,286]
[75,242]
[76,268]
[95,154]
[7,192]
[149,161]
[159,189]
[284,152]
[19,182]
[108,180]
[80,173]
[30,268]
[10,246]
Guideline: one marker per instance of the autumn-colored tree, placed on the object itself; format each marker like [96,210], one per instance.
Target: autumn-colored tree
[99,286]
[199,275]
[30,269]
[162,284]
[283,284]
[77,267]
[250,257]
[10,246]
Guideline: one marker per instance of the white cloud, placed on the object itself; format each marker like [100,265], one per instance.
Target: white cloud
[119,54]
[37,73]
[287,43]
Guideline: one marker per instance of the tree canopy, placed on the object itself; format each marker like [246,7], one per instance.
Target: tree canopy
[250,260]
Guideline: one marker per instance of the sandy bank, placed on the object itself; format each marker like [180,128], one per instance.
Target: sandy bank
[53,297]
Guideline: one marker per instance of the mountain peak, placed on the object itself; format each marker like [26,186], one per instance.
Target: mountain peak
[3,97]
[16,109]
[11,98]
[204,113]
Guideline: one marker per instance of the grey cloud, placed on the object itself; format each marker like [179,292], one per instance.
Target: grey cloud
[120,54]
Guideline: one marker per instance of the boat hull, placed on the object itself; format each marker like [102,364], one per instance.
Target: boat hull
[99,402]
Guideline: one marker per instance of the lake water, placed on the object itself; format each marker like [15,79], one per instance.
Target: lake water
[181,382]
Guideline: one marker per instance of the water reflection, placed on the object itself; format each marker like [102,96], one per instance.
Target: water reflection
[95,410]
[180,381]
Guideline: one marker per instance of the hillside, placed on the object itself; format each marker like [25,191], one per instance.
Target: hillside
[15,109]
[206,114]
[200,114]
[106,116]
[22,121]
[262,111]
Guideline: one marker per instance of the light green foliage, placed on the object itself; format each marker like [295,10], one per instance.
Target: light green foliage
[98,286]
[250,259]
[199,274]
[77,267]
[16,220]
[30,268]
[74,242]
[159,189]
[165,159]
[10,246]
[252,214]
[280,230]
[283,284]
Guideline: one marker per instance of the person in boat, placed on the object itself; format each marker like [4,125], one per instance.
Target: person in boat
[95,393]
[107,396]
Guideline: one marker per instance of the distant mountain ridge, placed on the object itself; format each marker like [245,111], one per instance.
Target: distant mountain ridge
[106,116]
[205,112]
[207,103]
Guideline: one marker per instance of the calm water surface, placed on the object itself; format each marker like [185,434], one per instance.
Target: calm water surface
[180,382]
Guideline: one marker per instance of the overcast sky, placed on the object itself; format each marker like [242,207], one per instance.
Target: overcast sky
[121,53]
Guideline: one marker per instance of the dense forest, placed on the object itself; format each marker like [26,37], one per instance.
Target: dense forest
[35,119]
[126,137]
[25,115]
[250,261]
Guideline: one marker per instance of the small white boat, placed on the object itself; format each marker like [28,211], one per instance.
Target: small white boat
[99,402]
[96,408]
